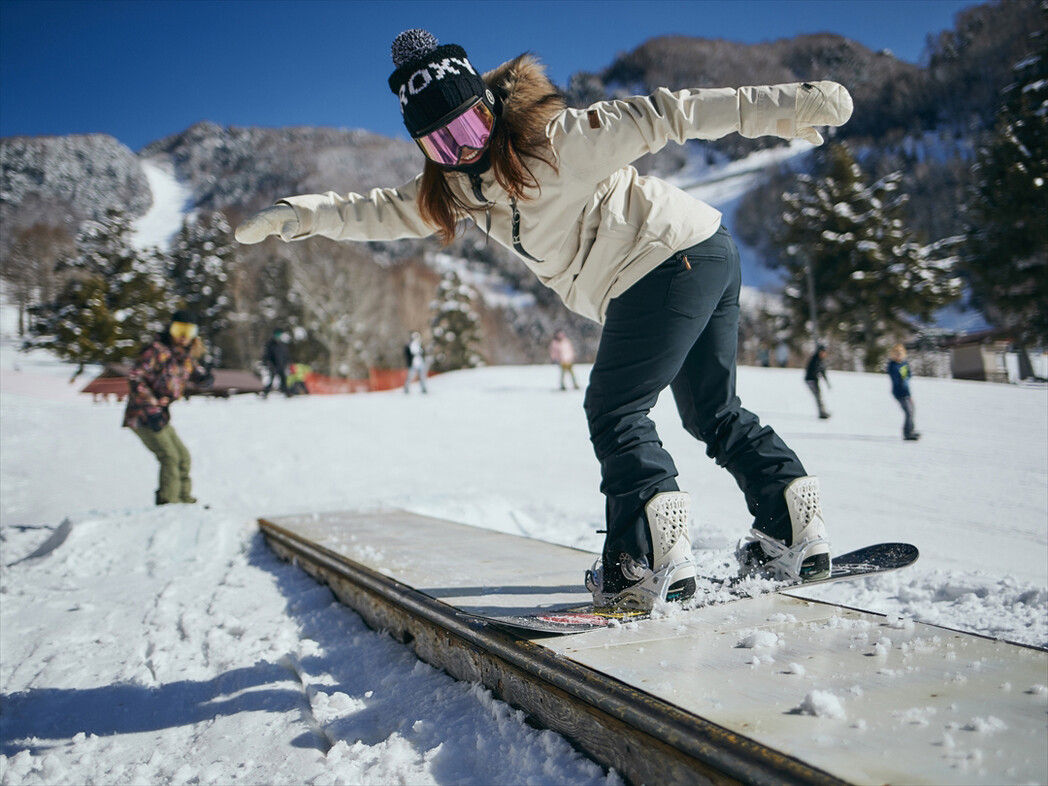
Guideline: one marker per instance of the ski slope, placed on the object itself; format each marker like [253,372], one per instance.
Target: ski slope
[145,644]
[172,203]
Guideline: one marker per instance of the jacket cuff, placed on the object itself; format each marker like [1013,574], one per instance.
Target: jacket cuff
[768,110]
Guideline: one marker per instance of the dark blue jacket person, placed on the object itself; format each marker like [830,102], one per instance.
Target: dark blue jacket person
[899,371]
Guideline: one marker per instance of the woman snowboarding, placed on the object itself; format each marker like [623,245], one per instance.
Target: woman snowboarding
[649,262]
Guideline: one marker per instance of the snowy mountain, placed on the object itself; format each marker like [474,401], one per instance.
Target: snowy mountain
[922,121]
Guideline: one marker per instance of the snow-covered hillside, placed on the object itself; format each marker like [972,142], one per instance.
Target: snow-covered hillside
[172,202]
[146,645]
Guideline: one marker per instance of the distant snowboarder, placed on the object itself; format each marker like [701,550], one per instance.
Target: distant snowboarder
[817,368]
[899,371]
[415,360]
[276,356]
[158,378]
[650,262]
[562,352]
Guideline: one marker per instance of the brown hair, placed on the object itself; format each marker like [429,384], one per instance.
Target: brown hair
[528,101]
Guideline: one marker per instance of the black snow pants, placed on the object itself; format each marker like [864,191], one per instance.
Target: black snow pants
[678,327]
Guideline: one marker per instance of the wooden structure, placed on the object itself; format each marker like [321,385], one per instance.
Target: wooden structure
[228,382]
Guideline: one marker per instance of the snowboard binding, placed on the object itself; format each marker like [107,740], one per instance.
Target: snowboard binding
[807,558]
[632,583]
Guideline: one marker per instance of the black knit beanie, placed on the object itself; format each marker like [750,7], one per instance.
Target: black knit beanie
[184,316]
[432,81]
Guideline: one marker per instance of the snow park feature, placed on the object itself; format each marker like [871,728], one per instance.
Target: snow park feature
[172,645]
[689,694]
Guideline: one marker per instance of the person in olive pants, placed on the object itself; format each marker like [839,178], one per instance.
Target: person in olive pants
[175,482]
[158,377]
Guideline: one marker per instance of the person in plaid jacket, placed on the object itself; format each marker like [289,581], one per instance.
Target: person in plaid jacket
[160,376]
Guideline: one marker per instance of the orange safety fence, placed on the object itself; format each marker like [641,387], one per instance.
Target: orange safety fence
[318,384]
[387,378]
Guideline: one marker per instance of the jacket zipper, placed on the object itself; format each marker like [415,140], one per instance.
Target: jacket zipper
[478,191]
[477,185]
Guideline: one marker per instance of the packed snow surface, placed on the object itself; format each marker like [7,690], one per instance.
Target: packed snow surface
[169,645]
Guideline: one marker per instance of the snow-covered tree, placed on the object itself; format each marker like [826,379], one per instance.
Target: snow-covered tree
[30,266]
[846,247]
[340,304]
[259,290]
[198,269]
[455,325]
[1006,257]
[112,297]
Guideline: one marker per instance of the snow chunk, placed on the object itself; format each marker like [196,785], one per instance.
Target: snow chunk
[822,704]
[758,638]
[987,725]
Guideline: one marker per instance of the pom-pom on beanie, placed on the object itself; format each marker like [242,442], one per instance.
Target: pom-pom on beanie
[432,81]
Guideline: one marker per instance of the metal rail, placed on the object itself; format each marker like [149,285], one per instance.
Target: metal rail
[644,738]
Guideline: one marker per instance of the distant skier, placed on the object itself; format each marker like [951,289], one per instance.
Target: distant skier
[415,360]
[651,263]
[817,368]
[159,377]
[562,352]
[276,356]
[899,371]
[297,374]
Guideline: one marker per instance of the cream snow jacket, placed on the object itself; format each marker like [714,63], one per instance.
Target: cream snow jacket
[596,226]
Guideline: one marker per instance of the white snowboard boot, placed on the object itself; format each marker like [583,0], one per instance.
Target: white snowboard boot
[808,556]
[638,586]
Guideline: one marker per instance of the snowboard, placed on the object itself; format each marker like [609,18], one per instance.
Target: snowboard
[867,561]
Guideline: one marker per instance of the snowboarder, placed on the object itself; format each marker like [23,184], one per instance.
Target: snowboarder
[159,377]
[415,360]
[276,356]
[817,368]
[562,352]
[297,375]
[899,371]
[651,263]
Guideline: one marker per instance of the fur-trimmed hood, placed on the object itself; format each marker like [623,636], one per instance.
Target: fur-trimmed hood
[528,100]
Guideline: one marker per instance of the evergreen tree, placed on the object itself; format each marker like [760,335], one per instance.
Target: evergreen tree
[1006,258]
[261,298]
[455,325]
[198,268]
[869,277]
[111,300]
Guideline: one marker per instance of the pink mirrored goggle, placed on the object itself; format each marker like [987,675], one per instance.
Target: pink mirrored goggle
[460,139]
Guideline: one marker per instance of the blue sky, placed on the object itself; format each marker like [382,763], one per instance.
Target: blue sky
[141,70]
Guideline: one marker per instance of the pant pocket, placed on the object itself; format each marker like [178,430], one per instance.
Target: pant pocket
[685,293]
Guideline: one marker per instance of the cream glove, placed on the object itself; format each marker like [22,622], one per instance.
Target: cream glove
[821,104]
[792,111]
[280,220]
